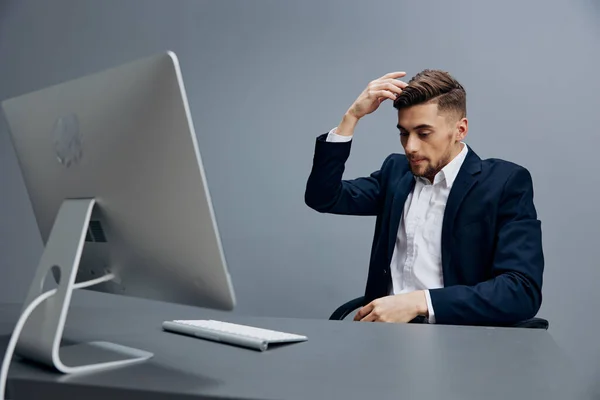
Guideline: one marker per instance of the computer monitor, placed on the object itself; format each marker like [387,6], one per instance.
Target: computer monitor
[113,171]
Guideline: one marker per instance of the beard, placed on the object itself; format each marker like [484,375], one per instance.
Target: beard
[430,170]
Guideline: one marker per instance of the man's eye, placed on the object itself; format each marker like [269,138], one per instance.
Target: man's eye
[424,134]
[403,133]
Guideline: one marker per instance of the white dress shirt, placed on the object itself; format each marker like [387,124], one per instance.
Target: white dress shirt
[417,259]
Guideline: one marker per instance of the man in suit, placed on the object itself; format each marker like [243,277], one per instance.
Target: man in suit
[457,239]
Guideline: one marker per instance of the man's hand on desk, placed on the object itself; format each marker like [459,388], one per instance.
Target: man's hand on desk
[397,308]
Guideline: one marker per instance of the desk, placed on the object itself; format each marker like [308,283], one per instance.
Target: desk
[341,360]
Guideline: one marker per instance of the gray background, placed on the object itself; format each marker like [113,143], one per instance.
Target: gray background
[264,78]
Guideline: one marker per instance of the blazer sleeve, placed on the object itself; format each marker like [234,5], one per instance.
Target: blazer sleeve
[514,293]
[326,192]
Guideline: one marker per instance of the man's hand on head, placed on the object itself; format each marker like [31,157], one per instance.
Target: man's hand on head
[386,87]
[377,91]
[397,308]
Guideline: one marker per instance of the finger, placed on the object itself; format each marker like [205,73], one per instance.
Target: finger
[387,86]
[393,88]
[359,315]
[394,75]
[400,84]
[363,312]
[385,94]
[371,317]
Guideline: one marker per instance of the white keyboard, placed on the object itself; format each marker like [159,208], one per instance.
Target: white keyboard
[226,332]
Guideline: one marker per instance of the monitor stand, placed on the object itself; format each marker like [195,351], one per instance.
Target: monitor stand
[42,332]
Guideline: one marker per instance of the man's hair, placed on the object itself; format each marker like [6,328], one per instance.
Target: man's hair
[434,86]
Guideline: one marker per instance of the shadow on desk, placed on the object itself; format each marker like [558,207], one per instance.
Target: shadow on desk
[154,388]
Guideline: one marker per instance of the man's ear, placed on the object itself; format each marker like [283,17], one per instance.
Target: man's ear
[462,128]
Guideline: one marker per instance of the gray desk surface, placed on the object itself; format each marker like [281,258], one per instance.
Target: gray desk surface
[341,360]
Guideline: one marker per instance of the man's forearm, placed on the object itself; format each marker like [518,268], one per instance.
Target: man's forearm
[505,299]
[347,125]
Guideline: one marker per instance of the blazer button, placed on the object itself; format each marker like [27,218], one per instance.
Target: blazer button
[385,271]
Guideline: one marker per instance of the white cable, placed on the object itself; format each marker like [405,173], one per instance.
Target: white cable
[10,349]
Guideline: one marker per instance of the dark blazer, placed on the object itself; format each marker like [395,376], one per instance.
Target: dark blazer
[492,257]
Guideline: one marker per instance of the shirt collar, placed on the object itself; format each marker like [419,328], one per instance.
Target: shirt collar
[448,174]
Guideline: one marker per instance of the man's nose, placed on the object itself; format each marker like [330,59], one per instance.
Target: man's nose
[412,144]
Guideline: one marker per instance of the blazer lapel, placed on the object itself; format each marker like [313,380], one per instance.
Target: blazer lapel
[405,186]
[464,182]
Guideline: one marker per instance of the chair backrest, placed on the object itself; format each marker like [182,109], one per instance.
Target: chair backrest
[342,311]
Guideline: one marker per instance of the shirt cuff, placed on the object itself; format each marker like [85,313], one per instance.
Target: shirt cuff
[332,136]
[431,318]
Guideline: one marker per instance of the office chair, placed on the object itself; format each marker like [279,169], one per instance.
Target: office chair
[342,312]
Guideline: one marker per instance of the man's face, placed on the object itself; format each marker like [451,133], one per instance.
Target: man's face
[430,139]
